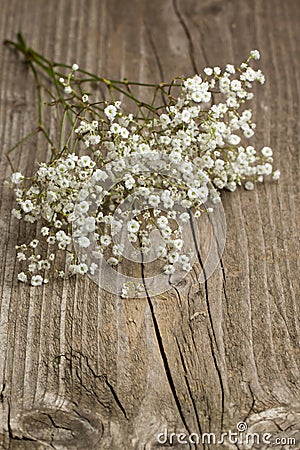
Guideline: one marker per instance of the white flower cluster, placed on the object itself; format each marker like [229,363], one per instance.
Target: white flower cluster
[169,164]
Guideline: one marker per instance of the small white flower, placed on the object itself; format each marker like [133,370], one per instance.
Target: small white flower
[248,133]
[105,239]
[21,256]
[36,280]
[27,206]
[144,191]
[84,242]
[51,240]
[112,261]
[100,175]
[118,249]
[93,268]
[83,207]
[208,71]
[172,214]
[267,152]
[178,244]
[173,257]
[133,226]
[268,168]
[234,139]
[125,290]
[186,267]
[115,128]
[89,224]
[124,133]
[58,223]
[175,156]
[68,90]
[82,268]
[161,251]
[110,111]
[16,213]
[185,217]
[22,277]
[193,193]
[34,243]
[75,67]
[230,186]
[86,161]
[185,116]
[154,200]
[129,182]
[169,269]
[166,232]
[246,116]
[230,69]
[162,222]
[45,231]
[197,96]
[276,175]
[165,119]
[255,54]
[184,259]
[236,85]
[93,139]
[17,178]
[132,237]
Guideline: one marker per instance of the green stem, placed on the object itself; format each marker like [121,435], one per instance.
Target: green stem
[20,142]
[33,56]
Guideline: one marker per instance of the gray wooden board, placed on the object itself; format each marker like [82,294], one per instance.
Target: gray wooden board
[83,369]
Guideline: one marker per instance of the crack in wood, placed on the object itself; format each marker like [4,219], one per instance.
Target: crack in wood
[162,349]
[186,379]
[211,323]
[188,35]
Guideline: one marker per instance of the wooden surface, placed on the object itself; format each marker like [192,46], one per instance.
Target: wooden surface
[82,369]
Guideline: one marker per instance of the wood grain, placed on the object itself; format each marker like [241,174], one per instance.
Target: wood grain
[83,369]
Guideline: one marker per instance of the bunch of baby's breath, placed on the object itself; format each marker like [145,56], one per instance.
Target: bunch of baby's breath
[168,159]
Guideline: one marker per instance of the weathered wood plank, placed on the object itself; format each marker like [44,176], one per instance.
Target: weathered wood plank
[81,368]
